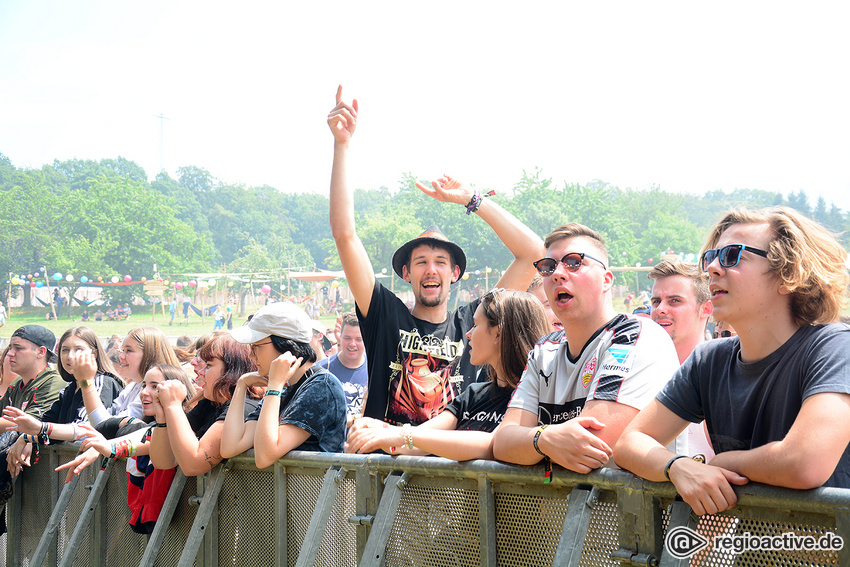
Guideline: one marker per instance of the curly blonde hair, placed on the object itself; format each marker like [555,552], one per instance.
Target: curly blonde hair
[805,256]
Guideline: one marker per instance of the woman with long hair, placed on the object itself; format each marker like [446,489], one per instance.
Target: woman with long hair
[84,364]
[506,326]
[304,406]
[192,440]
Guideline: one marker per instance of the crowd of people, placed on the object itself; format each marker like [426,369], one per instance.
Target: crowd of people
[541,368]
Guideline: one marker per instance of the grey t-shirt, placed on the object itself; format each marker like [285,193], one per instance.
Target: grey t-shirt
[747,405]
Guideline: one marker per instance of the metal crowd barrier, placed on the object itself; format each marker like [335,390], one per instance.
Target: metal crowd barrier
[375,510]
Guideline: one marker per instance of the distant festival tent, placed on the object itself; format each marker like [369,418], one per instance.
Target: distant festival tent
[320,276]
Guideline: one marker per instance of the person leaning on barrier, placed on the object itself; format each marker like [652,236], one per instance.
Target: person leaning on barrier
[87,371]
[776,398]
[681,304]
[584,384]
[507,323]
[147,487]
[304,407]
[408,349]
[193,440]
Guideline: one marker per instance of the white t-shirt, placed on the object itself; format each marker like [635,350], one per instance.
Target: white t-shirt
[627,361]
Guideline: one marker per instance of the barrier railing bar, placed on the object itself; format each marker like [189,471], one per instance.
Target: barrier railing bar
[487,522]
[76,539]
[376,546]
[319,520]
[202,517]
[576,522]
[280,514]
[49,534]
[175,491]
[367,494]
[13,523]
[681,514]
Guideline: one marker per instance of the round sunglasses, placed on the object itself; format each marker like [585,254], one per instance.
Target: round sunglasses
[572,261]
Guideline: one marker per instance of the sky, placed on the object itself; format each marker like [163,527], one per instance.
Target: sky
[686,96]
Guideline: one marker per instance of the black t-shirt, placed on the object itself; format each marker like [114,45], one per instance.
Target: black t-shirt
[206,413]
[415,367]
[480,407]
[316,404]
[747,405]
[69,408]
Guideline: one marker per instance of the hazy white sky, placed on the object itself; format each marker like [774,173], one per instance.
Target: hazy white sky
[688,96]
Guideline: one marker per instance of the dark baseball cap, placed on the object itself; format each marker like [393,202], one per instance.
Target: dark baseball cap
[38,335]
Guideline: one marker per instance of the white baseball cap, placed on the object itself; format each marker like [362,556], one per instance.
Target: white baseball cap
[281,319]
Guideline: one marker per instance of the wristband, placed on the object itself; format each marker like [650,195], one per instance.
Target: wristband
[277,393]
[408,436]
[670,464]
[27,438]
[537,438]
[163,424]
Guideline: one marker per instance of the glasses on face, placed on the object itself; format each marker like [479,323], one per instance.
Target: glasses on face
[729,255]
[254,347]
[572,261]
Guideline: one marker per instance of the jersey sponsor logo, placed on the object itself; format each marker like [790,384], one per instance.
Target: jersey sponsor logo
[559,413]
[620,354]
[587,372]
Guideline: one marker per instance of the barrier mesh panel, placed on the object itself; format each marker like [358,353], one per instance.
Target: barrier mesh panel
[302,492]
[711,526]
[528,528]
[123,545]
[435,527]
[339,543]
[178,530]
[602,536]
[246,530]
[75,508]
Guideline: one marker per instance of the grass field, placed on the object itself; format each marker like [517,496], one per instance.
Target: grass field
[141,317]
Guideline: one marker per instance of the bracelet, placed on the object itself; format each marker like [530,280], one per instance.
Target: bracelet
[277,393]
[537,438]
[475,202]
[27,438]
[163,424]
[408,436]
[670,464]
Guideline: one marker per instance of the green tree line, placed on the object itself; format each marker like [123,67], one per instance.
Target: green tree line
[90,217]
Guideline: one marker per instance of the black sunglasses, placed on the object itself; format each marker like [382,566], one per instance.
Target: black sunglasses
[572,262]
[729,255]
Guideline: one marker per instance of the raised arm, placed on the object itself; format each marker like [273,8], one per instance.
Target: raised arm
[808,454]
[238,434]
[194,456]
[523,243]
[355,262]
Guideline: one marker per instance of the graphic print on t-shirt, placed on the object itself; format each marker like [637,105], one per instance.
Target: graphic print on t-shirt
[424,378]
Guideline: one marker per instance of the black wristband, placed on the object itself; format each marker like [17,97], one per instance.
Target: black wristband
[670,464]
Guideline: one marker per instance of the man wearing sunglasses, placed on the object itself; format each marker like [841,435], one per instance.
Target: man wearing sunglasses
[776,398]
[584,384]
[418,358]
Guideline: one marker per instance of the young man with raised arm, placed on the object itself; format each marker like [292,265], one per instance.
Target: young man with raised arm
[418,360]
[584,384]
[776,398]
